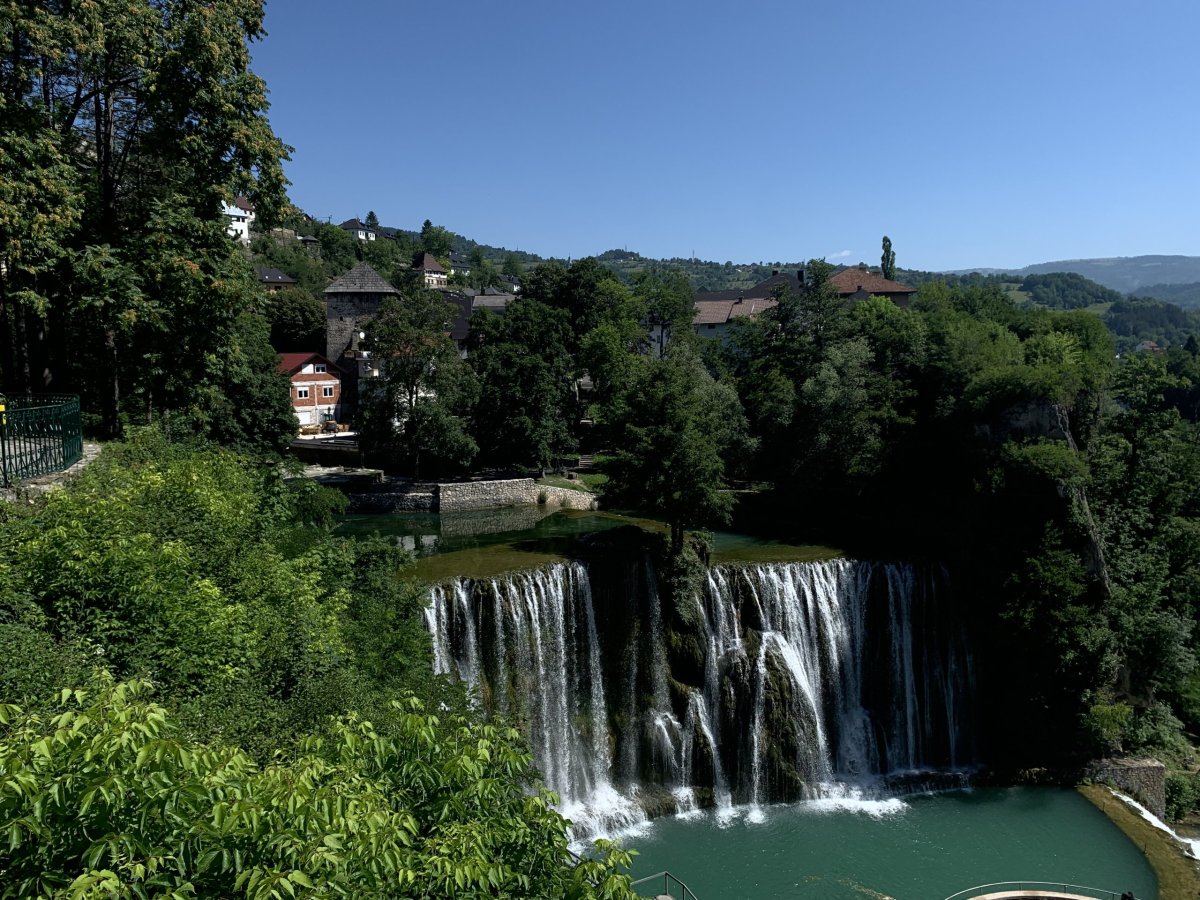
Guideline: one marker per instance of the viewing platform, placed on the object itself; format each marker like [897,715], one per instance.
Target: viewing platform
[39,435]
[1038,890]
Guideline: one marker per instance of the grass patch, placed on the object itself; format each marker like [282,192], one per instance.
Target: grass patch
[1178,876]
[1020,298]
[481,562]
[588,484]
[770,552]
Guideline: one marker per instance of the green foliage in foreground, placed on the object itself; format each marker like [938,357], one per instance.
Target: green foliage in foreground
[285,765]
[104,796]
[210,574]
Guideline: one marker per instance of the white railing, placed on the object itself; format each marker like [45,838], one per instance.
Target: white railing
[1047,888]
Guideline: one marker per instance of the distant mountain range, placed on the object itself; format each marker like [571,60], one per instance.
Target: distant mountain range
[1127,274]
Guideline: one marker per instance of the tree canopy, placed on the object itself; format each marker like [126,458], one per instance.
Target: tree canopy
[415,410]
[135,120]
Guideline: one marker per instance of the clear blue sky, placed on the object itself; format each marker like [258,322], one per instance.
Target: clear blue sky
[972,133]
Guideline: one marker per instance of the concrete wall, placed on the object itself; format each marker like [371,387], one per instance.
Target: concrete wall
[509,492]
[1142,779]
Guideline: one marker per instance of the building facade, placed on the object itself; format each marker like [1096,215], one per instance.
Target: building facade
[316,387]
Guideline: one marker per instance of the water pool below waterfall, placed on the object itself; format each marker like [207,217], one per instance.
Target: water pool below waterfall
[923,847]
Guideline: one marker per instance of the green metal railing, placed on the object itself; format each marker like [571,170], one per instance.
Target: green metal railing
[1014,888]
[671,886]
[39,434]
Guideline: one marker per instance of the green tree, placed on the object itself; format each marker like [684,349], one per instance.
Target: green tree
[210,573]
[677,427]
[106,796]
[146,116]
[338,252]
[888,260]
[512,266]
[372,220]
[668,298]
[247,403]
[527,397]
[436,240]
[414,409]
[297,320]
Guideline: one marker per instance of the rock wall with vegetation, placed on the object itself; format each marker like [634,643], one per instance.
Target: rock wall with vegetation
[1142,779]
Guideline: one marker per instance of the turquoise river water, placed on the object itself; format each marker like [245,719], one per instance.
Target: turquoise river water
[919,847]
[923,847]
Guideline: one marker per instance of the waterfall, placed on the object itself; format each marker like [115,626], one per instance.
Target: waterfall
[545,674]
[769,683]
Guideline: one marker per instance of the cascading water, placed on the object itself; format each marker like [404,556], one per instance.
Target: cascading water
[772,682]
[544,672]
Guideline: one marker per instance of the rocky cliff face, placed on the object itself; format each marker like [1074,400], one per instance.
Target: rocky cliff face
[763,683]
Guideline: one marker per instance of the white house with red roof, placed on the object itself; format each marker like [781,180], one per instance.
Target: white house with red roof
[316,387]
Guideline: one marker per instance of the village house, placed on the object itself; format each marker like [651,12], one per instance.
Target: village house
[459,264]
[240,214]
[359,230]
[316,387]
[858,283]
[431,270]
[273,280]
[716,311]
[466,304]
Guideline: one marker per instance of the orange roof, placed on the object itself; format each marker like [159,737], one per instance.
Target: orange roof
[853,280]
[752,308]
[719,312]
[712,312]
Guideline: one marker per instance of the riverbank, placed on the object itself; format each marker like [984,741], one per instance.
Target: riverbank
[1178,875]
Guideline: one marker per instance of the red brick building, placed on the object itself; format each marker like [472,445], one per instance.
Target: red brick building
[316,387]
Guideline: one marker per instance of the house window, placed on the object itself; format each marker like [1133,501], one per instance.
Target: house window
[327,391]
[301,393]
[319,367]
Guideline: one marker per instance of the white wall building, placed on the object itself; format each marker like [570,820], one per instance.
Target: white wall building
[240,214]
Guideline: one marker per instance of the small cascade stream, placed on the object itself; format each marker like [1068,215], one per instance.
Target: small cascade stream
[771,683]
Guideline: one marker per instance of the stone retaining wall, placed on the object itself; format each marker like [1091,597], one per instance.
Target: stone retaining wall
[1142,779]
[509,492]
[369,493]
[384,502]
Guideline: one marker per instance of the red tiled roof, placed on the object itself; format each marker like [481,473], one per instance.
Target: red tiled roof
[719,312]
[290,362]
[853,280]
[751,308]
[712,312]
[242,203]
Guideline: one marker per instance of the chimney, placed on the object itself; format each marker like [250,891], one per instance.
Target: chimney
[774,272]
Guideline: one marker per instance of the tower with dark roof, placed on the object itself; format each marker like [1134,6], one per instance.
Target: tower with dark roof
[350,302]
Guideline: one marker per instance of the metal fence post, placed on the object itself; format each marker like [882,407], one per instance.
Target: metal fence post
[4,442]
